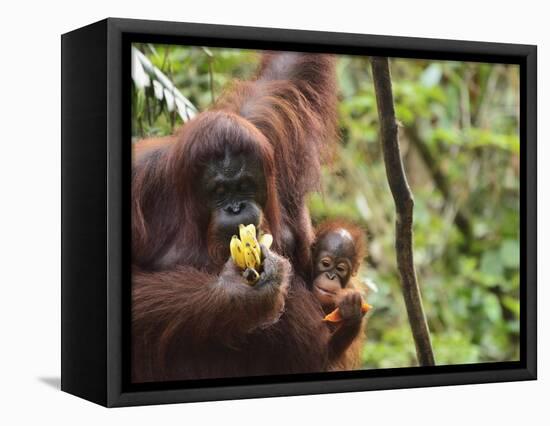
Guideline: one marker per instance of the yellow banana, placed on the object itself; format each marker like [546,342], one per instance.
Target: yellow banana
[248,234]
[252,229]
[243,230]
[237,252]
[257,255]
[266,240]
[246,251]
[250,257]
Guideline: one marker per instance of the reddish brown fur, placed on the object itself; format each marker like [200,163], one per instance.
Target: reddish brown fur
[350,342]
[166,213]
[191,316]
[350,359]
[357,234]
[293,103]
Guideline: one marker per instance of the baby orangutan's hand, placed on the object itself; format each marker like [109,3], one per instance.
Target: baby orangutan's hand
[350,306]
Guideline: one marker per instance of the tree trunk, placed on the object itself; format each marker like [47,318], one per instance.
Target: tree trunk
[404,204]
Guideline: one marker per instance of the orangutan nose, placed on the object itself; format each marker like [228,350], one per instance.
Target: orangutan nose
[235,207]
[330,275]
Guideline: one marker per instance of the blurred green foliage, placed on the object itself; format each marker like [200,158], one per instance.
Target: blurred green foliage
[460,142]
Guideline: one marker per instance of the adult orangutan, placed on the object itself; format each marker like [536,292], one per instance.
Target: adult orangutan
[252,158]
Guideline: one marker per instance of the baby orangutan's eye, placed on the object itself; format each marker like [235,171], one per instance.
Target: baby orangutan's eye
[342,268]
[325,262]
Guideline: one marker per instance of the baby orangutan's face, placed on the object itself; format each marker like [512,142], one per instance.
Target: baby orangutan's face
[334,254]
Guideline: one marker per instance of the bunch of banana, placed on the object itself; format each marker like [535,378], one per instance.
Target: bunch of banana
[246,251]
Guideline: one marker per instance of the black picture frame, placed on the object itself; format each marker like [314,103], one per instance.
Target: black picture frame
[96,174]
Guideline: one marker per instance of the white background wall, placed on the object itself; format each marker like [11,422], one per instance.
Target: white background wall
[30,211]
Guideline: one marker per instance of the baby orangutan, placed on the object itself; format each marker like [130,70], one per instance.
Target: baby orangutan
[338,251]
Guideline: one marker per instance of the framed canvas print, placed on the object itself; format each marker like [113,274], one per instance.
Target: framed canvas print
[252,212]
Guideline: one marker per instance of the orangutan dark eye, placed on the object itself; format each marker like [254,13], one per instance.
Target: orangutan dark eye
[219,191]
[244,186]
[342,268]
[325,262]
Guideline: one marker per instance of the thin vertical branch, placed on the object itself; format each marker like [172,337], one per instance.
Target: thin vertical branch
[404,204]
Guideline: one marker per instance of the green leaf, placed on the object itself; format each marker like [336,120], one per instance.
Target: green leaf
[509,253]
[432,75]
[491,264]
[492,308]
[512,303]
